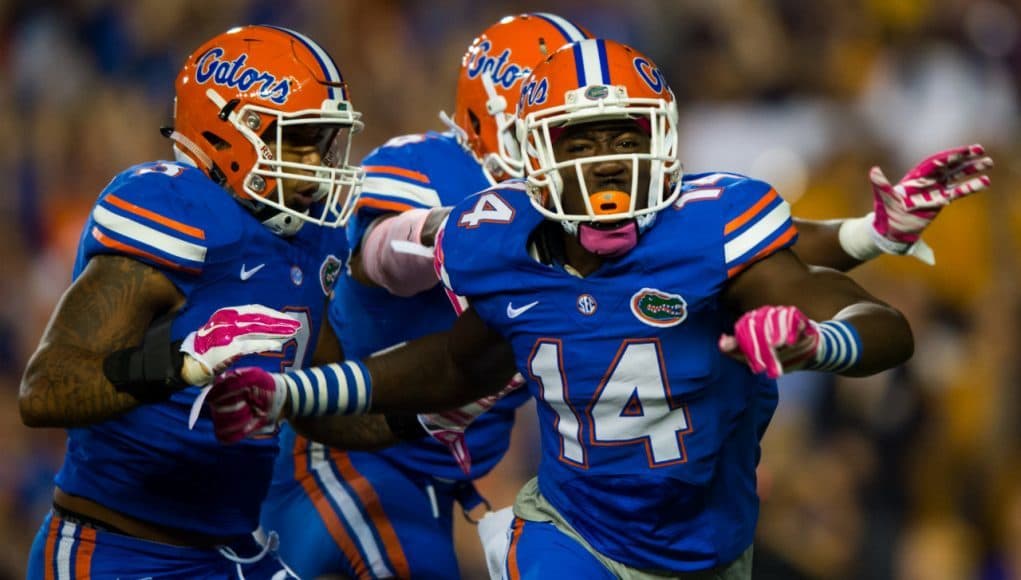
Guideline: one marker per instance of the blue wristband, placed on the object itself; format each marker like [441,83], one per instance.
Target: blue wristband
[839,347]
[335,389]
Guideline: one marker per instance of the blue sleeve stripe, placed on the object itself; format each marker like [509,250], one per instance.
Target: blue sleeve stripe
[839,347]
[383,201]
[403,191]
[757,213]
[151,218]
[330,391]
[763,230]
[149,254]
[773,244]
[307,397]
[324,383]
[131,229]
[412,178]
[334,389]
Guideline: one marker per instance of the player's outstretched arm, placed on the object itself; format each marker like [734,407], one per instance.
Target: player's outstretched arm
[372,432]
[795,317]
[396,252]
[434,373]
[901,211]
[109,307]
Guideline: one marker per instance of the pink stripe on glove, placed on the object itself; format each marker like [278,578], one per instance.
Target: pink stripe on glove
[772,340]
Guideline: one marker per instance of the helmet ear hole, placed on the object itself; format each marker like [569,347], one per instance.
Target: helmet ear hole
[215,141]
[234,166]
[474,120]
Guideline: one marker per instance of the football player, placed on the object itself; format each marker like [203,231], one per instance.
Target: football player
[618,289]
[388,513]
[261,136]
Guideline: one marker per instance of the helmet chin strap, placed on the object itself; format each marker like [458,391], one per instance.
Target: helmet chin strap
[186,151]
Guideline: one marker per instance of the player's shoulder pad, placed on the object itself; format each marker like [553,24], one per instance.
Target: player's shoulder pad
[485,237]
[166,214]
[400,174]
[754,219]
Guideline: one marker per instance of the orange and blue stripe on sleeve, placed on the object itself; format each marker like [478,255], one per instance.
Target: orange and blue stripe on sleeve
[757,231]
[130,229]
[392,188]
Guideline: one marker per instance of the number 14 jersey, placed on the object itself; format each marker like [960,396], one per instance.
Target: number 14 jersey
[649,434]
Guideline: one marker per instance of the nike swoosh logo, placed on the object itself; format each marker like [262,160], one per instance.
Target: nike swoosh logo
[246,274]
[516,312]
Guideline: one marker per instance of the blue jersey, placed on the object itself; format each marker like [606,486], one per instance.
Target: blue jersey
[416,171]
[649,434]
[146,463]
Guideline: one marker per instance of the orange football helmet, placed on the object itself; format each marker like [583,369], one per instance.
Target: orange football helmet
[238,94]
[488,85]
[596,80]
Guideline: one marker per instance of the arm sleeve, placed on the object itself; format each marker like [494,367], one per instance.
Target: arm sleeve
[757,222]
[147,221]
[393,184]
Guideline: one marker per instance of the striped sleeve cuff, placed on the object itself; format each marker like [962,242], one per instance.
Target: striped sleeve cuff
[762,229]
[335,389]
[131,229]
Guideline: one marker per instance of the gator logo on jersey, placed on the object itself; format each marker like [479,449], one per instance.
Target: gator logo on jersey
[658,308]
[234,74]
[329,272]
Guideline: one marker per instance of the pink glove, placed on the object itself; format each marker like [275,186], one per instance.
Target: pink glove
[903,211]
[772,339]
[448,427]
[233,332]
[245,401]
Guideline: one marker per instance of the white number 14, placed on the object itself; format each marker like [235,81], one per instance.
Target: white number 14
[631,405]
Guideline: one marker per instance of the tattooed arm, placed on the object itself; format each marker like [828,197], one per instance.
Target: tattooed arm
[109,307]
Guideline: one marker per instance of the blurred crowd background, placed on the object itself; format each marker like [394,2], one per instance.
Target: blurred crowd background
[910,475]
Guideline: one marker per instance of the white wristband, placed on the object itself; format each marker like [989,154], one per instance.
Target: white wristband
[862,242]
[857,238]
